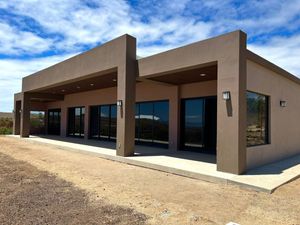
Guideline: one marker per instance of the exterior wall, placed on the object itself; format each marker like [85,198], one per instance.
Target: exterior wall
[145,92]
[284,125]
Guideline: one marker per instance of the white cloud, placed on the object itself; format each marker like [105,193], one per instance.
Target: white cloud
[16,42]
[283,51]
[69,26]
[12,72]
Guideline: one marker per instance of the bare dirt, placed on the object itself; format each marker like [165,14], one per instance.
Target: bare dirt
[37,179]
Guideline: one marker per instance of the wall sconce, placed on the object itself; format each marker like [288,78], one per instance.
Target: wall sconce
[226,95]
[119,103]
[283,103]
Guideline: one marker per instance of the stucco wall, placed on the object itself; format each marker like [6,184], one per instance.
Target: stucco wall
[144,92]
[284,130]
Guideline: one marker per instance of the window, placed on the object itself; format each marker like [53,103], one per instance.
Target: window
[257,119]
[152,123]
[76,122]
[199,124]
[54,121]
[103,122]
[37,122]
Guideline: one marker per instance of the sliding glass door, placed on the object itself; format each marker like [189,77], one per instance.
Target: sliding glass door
[198,123]
[54,116]
[76,121]
[152,123]
[103,122]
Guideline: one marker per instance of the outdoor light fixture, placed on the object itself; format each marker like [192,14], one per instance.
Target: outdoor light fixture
[226,95]
[20,111]
[282,103]
[114,80]
[202,74]
[92,85]
[119,103]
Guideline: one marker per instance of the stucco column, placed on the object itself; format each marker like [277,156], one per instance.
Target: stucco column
[86,122]
[17,117]
[126,96]
[63,121]
[174,119]
[25,115]
[231,114]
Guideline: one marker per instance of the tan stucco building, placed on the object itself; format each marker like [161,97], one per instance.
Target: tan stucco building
[213,96]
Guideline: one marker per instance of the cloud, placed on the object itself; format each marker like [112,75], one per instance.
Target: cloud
[16,42]
[283,51]
[33,31]
[12,72]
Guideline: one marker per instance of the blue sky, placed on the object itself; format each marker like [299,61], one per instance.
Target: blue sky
[35,34]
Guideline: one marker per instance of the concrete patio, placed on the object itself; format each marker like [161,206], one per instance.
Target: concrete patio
[189,164]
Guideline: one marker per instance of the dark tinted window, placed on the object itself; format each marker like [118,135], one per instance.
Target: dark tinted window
[161,122]
[104,121]
[54,121]
[76,121]
[194,123]
[152,123]
[257,119]
[94,122]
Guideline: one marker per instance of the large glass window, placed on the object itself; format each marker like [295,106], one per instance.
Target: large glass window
[257,119]
[37,122]
[103,122]
[152,123]
[54,121]
[76,121]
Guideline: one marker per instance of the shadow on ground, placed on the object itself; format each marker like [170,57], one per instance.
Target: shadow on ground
[30,196]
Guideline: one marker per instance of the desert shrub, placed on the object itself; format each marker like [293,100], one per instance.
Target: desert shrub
[6,125]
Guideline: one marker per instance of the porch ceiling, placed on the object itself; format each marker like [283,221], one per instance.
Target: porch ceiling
[88,84]
[188,76]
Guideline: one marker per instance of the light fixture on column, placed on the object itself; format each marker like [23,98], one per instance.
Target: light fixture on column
[119,103]
[226,95]
[20,111]
[283,103]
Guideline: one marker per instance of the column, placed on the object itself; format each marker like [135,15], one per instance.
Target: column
[126,98]
[17,117]
[25,115]
[174,119]
[232,114]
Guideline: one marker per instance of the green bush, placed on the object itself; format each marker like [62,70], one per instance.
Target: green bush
[6,125]
[5,130]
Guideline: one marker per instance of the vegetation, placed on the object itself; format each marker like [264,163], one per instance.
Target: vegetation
[6,125]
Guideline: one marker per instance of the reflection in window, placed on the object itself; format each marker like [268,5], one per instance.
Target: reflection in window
[103,122]
[152,123]
[257,119]
[76,121]
[54,121]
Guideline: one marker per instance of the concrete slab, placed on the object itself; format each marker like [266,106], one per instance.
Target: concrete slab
[184,163]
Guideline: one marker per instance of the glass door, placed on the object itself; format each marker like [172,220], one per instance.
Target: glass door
[54,121]
[198,132]
[194,122]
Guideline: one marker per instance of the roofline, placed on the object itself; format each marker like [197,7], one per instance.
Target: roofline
[265,63]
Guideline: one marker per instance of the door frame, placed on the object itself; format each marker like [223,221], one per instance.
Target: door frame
[182,147]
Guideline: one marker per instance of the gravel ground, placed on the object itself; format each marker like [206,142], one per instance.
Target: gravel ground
[84,189]
[31,196]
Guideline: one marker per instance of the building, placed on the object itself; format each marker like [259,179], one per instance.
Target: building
[213,96]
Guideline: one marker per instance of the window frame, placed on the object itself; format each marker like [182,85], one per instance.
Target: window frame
[267,121]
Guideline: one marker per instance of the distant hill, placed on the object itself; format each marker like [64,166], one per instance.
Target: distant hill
[6,115]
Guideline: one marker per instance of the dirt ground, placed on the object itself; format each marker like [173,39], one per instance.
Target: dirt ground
[42,184]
